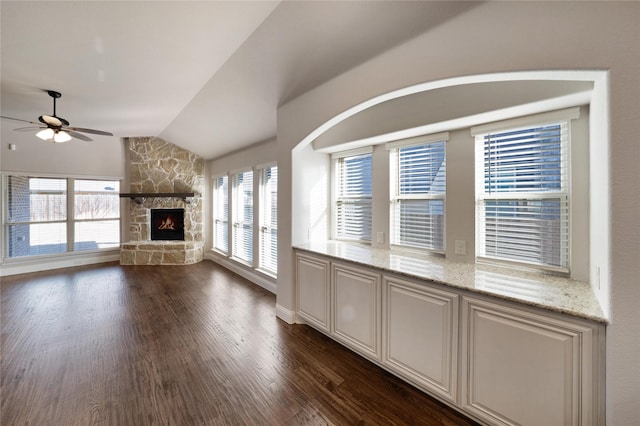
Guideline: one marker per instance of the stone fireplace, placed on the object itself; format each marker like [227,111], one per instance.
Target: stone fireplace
[166,184]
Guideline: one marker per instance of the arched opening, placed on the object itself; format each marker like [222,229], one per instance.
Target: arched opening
[466,101]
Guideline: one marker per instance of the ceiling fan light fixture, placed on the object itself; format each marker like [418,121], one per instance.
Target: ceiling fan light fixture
[54,128]
[61,136]
[46,134]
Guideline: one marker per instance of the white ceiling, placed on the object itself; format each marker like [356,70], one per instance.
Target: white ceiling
[205,75]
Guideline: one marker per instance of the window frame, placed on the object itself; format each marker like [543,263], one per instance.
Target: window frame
[218,192]
[562,118]
[76,221]
[70,221]
[364,200]
[237,219]
[396,198]
[268,219]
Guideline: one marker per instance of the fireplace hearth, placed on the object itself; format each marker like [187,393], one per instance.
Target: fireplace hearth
[167,224]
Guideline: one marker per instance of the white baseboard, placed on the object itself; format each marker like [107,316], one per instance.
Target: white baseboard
[285,314]
[255,277]
[68,260]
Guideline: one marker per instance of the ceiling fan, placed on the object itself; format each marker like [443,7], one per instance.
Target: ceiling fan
[56,129]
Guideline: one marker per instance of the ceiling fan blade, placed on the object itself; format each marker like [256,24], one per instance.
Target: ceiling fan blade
[18,119]
[92,131]
[29,129]
[78,135]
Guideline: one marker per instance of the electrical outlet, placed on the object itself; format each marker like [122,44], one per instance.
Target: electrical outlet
[380,237]
[461,247]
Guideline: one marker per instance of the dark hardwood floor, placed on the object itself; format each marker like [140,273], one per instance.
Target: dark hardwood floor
[181,345]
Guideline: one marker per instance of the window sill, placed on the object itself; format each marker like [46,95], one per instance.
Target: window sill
[545,291]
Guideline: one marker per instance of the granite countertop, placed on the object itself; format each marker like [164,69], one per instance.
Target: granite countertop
[545,291]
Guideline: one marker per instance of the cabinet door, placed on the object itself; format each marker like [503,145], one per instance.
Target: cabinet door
[356,314]
[524,368]
[420,335]
[312,290]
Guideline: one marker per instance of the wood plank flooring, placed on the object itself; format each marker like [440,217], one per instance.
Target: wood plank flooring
[181,345]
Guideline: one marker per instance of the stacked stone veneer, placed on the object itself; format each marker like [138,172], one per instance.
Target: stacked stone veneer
[157,166]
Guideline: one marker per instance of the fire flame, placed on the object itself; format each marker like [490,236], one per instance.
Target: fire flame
[167,224]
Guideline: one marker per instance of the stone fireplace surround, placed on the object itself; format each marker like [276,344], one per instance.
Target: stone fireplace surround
[161,168]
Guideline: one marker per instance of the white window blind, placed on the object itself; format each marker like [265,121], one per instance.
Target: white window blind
[221,214]
[353,201]
[418,173]
[242,238]
[269,219]
[522,195]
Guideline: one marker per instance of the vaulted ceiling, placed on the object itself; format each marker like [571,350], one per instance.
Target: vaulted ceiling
[205,75]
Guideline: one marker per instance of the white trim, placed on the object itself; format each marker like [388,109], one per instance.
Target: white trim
[246,272]
[285,314]
[418,140]
[552,116]
[352,152]
[240,170]
[31,264]
[61,176]
[581,98]
[219,175]
[268,165]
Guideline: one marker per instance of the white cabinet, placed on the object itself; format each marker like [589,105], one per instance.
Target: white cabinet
[420,334]
[356,309]
[501,362]
[312,278]
[525,368]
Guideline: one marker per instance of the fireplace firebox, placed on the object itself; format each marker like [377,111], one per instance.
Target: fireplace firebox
[167,224]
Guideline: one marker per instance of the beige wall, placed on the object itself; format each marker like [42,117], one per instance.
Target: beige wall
[500,37]
[104,157]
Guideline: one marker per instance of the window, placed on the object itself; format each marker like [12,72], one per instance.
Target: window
[353,203]
[242,237]
[221,214]
[418,170]
[269,219]
[96,214]
[254,237]
[522,194]
[38,221]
